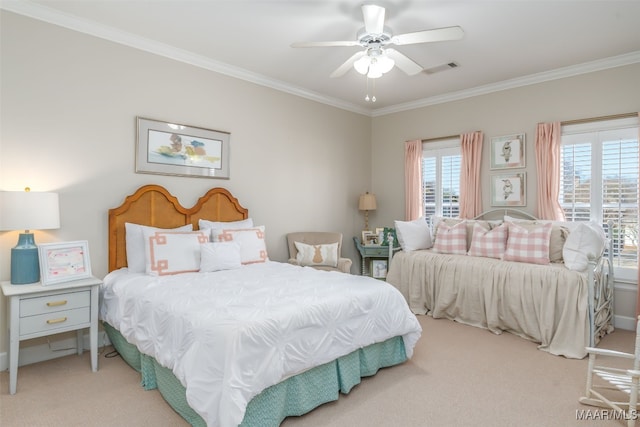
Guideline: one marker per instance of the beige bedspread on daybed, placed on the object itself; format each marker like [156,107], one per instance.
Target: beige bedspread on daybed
[547,304]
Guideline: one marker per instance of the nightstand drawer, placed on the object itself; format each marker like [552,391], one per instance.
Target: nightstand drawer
[53,321]
[54,303]
[382,251]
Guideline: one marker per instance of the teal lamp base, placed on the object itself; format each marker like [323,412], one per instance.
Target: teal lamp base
[25,267]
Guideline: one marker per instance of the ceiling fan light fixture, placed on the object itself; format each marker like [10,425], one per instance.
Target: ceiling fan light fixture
[374,72]
[362,64]
[384,63]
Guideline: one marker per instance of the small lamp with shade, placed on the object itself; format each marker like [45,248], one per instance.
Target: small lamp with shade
[27,210]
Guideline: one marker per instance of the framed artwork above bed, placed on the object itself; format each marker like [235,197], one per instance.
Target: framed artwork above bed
[174,149]
[509,189]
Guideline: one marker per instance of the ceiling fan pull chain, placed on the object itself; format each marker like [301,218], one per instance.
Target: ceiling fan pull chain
[366,98]
[373,91]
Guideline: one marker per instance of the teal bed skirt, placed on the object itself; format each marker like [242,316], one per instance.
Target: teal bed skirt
[292,397]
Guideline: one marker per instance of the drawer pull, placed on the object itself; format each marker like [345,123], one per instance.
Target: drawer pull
[56,303]
[58,320]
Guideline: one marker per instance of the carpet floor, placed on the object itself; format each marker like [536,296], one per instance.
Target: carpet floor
[458,376]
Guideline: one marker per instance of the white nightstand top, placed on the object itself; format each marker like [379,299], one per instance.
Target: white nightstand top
[11,290]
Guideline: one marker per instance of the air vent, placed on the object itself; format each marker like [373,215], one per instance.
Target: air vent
[442,67]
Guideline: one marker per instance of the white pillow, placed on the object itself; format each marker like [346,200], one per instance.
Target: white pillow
[173,252]
[134,242]
[253,248]
[326,254]
[220,256]
[204,224]
[413,235]
[586,240]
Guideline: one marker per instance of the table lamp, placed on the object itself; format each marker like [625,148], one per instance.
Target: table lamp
[367,203]
[27,210]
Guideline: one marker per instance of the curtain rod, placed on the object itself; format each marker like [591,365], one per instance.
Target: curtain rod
[439,138]
[597,119]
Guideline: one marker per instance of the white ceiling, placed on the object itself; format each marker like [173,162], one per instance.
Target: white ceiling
[506,43]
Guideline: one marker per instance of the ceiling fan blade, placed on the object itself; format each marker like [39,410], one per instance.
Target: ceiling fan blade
[325,44]
[346,66]
[403,62]
[373,18]
[426,36]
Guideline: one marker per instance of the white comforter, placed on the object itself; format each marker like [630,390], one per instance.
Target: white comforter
[229,335]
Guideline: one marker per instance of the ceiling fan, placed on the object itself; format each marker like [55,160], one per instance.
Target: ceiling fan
[377,59]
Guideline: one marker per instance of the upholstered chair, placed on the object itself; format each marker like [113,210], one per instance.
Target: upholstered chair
[320,251]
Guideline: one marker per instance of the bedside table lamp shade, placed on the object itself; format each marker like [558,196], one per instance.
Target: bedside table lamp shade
[367,203]
[27,210]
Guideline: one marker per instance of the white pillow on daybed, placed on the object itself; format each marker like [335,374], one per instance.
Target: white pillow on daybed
[586,240]
[413,235]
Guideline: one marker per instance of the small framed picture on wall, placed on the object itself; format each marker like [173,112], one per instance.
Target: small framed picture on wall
[508,152]
[509,189]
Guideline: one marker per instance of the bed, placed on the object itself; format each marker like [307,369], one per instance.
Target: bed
[248,345]
[561,306]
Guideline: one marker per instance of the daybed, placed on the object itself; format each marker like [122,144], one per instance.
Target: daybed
[493,275]
[241,340]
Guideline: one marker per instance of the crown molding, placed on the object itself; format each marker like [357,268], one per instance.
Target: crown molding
[52,16]
[559,73]
[71,22]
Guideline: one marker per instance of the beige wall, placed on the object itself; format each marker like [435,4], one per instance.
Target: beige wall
[502,113]
[68,104]
[68,113]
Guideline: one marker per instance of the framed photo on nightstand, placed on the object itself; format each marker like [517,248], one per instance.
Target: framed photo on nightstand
[369,238]
[379,268]
[64,262]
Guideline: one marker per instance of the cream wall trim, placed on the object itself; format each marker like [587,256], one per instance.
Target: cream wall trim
[587,67]
[42,352]
[55,17]
[52,16]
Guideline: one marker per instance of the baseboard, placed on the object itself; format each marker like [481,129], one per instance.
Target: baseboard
[52,350]
[625,322]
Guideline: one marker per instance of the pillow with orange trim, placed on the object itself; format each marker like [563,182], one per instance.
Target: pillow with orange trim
[253,248]
[173,252]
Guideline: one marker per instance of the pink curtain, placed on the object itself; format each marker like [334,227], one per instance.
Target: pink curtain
[413,179]
[548,166]
[470,194]
[638,284]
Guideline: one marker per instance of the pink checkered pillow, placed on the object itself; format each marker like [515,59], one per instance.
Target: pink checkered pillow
[488,243]
[528,245]
[451,239]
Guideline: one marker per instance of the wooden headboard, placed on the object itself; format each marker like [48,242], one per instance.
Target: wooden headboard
[153,205]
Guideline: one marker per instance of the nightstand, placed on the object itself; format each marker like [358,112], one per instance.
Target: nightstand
[372,252]
[37,311]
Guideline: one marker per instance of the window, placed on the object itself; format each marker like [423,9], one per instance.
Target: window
[441,177]
[599,182]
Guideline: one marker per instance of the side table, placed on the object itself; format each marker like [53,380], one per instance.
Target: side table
[371,252]
[36,310]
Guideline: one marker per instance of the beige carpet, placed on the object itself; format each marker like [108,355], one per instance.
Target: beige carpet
[459,376]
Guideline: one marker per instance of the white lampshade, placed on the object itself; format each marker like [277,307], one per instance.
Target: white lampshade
[29,210]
